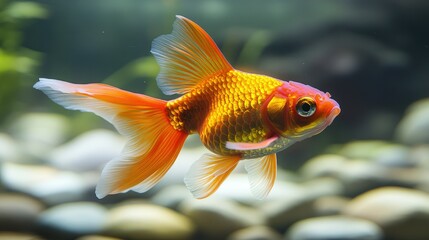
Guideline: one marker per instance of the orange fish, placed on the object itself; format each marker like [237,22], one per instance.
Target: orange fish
[238,116]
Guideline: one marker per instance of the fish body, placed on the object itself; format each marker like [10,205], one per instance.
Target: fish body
[226,108]
[238,116]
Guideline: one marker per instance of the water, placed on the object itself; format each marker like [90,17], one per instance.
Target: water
[369,168]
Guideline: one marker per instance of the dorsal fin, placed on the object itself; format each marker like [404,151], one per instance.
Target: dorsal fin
[186,57]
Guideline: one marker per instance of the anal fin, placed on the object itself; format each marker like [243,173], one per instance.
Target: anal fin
[262,174]
[208,173]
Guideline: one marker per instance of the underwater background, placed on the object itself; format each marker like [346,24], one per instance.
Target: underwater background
[364,177]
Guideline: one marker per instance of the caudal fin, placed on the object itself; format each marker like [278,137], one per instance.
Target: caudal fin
[152,146]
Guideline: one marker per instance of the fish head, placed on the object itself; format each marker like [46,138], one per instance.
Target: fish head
[297,111]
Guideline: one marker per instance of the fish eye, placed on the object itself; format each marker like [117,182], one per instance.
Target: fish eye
[306,107]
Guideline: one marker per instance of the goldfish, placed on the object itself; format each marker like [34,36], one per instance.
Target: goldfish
[239,116]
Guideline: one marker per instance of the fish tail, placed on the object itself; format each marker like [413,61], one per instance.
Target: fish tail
[152,143]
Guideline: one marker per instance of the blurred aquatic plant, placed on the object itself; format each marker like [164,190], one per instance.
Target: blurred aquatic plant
[17,63]
[144,68]
[254,47]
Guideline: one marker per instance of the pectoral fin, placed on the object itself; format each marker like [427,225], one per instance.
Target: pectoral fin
[250,146]
[208,173]
[262,174]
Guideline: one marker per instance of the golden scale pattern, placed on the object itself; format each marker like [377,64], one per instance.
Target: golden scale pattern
[224,108]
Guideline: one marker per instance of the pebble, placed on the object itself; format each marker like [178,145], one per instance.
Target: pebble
[413,129]
[322,186]
[408,177]
[358,175]
[334,227]
[383,156]
[255,233]
[217,218]
[46,183]
[19,212]
[236,187]
[38,133]
[394,155]
[172,196]
[89,151]
[141,221]
[97,237]
[402,213]
[9,149]
[73,219]
[323,165]
[280,214]
[330,205]
[420,154]
[362,149]
[298,205]
[362,175]
[18,236]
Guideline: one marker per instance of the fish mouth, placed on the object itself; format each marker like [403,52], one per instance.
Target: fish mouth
[329,119]
[332,115]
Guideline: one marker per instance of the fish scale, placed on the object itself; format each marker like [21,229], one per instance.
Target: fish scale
[225,108]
